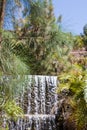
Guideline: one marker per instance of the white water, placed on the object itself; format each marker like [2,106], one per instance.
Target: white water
[37,101]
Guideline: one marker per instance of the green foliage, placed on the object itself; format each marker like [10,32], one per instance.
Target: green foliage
[40,29]
[10,64]
[85,29]
[39,46]
[78,42]
[84,37]
[42,39]
[11,87]
[12,110]
[74,80]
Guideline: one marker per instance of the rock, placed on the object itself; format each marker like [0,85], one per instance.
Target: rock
[64,111]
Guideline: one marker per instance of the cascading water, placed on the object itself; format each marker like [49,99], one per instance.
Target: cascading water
[37,101]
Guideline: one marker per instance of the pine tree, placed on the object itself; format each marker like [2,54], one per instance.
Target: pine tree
[2,13]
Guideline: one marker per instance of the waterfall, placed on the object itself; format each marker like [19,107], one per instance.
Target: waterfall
[37,101]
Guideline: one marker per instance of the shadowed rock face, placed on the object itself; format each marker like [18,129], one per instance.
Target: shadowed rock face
[64,112]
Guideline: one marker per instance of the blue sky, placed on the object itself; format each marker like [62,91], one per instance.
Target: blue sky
[74,13]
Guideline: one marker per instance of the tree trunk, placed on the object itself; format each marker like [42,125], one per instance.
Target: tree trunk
[2,12]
